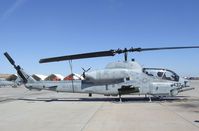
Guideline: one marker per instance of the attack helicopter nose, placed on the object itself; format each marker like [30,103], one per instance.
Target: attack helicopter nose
[182,85]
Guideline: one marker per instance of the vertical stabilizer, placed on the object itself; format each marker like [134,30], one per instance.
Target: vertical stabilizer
[22,74]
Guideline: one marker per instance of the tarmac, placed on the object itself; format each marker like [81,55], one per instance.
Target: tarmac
[24,110]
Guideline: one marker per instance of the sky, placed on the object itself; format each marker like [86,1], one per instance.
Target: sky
[35,29]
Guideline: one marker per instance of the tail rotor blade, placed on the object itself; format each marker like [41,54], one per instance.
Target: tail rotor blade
[9,58]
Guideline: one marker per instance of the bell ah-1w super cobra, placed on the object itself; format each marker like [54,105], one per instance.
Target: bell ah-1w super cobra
[118,78]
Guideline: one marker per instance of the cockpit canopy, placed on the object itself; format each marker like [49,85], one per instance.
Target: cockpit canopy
[160,73]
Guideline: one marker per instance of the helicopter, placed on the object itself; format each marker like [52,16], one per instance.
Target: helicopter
[116,79]
[4,83]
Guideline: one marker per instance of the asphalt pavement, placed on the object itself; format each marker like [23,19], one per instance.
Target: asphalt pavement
[24,110]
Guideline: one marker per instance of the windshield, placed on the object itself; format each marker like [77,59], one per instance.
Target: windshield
[161,74]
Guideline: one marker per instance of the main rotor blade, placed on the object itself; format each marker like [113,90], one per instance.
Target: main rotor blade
[78,56]
[108,53]
[161,48]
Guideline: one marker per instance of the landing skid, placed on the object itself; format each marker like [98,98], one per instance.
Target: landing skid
[120,98]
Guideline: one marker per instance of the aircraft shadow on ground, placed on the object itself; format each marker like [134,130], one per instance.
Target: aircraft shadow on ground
[113,100]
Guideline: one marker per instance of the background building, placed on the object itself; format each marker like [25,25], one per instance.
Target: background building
[39,77]
[54,77]
[73,76]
